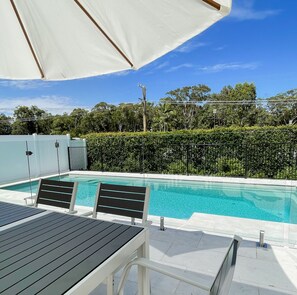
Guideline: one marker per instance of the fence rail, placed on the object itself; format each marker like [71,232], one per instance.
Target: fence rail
[265,160]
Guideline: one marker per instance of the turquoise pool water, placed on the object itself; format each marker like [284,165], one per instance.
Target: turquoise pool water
[180,199]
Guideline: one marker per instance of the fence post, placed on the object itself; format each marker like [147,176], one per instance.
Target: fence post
[245,160]
[142,153]
[69,158]
[101,158]
[187,159]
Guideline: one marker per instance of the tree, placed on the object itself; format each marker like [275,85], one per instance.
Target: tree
[99,119]
[186,99]
[62,124]
[234,106]
[77,125]
[29,120]
[165,118]
[283,108]
[5,125]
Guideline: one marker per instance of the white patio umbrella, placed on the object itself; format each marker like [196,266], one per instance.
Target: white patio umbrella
[68,39]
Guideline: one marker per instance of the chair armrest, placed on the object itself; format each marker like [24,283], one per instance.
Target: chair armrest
[161,268]
[87,213]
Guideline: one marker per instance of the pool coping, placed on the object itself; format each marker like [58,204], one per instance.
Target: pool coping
[237,180]
[234,180]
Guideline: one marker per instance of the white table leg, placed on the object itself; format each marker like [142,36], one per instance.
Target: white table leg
[109,285]
[143,273]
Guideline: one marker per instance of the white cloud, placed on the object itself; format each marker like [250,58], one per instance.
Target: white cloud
[116,74]
[25,84]
[189,46]
[52,104]
[162,65]
[121,73]
[228,66]
[244,10]
[220,48]
[175,68]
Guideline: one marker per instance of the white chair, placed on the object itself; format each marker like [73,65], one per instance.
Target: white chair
[220,285]
[122,200]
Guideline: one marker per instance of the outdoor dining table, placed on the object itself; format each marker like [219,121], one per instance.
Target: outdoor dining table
[47,252]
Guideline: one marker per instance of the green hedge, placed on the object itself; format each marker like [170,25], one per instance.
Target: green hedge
[244,152]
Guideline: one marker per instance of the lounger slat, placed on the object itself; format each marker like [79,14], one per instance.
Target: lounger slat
[53,203]
[120,211]
[58,182]
[127,204]
[123,195]
[123,188]
[58,196]
[56,188]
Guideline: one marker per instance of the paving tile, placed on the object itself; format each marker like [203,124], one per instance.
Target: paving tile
[177,235]
[247,249]
[184,288]
[266,253]
[243,289]
[265,273]
[131,288]
[203,261]
[271,291]
[158,249]
[215,243]
[285,255]
[164,284]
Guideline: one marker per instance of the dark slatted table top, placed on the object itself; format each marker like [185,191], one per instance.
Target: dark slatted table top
[10,213]
[52,253]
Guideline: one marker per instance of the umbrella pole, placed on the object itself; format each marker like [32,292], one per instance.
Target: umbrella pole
[213,3]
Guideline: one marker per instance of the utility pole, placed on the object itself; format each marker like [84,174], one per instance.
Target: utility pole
[143,88]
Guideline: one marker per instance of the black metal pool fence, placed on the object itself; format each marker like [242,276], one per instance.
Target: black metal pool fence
[265,160]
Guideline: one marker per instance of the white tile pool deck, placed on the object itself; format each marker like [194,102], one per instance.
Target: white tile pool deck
[197,246]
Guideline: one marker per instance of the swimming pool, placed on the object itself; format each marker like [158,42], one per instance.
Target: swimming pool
[180,199]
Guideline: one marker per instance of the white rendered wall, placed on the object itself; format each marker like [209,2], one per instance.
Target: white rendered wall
[43,161]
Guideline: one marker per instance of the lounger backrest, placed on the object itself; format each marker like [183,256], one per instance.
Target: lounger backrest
[222,282]
[56,193]
[130,201]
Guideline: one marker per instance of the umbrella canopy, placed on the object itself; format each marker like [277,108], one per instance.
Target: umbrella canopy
[68,39]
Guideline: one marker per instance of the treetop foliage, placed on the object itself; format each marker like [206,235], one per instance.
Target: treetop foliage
[182,109]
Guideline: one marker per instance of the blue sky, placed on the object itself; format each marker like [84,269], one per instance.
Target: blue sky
[255,43]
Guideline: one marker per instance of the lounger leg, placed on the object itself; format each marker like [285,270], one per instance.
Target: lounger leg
[143,273]
[109,285]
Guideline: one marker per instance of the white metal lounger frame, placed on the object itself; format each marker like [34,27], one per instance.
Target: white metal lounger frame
[220,285]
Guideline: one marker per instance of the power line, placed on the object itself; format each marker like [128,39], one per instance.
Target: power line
[230,102]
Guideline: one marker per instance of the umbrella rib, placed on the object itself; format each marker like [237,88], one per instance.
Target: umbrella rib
[213,3]
[27,37]
[103,32]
